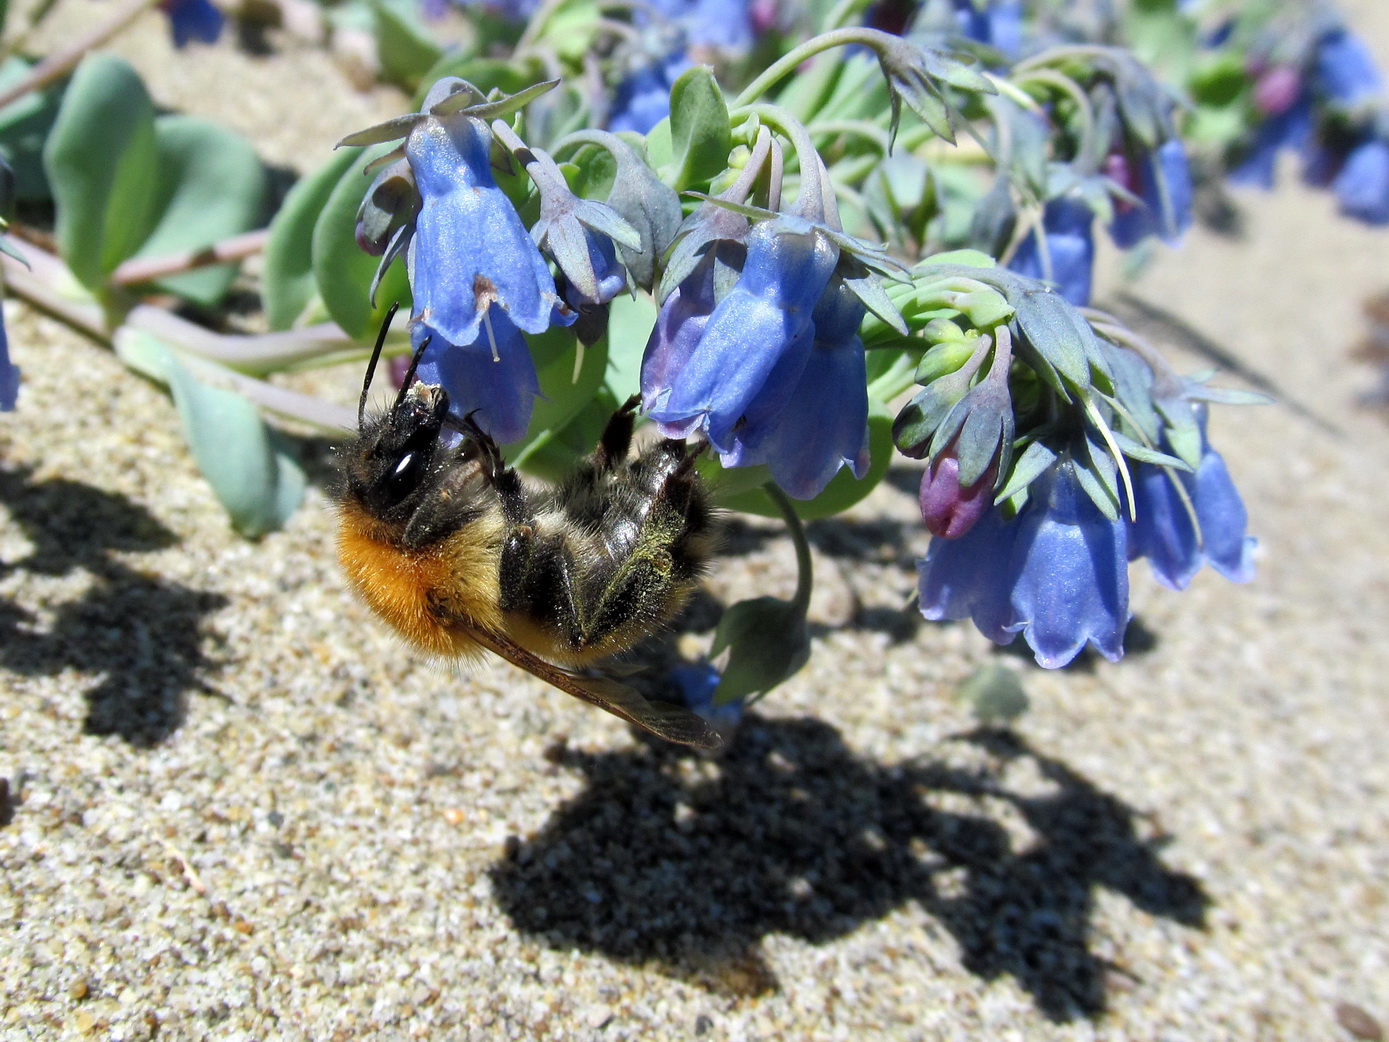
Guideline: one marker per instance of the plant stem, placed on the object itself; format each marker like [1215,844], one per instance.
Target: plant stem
[805,578]
[60,63]
[791,61]
[147,269]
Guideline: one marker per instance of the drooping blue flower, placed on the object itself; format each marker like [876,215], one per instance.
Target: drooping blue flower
[1162,181]
[1057,573]
[470,251]
[748,359]
[493,377]
[1067,256]
[999,24]
[9,372]
[1291,128]
[824,425]
[1164,532]
[643,99]
[679,326]
[191,20]
[1345,70]
[1362,184]
[723,24]
[698,682]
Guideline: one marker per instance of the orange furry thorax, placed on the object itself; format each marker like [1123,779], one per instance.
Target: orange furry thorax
[431,596]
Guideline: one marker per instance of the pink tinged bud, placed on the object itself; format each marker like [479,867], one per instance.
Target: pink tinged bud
[1277,89]
[949,510]
[1123,173]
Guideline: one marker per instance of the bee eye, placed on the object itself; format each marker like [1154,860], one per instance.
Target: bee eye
[404,478]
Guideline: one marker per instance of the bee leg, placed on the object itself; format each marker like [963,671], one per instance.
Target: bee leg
[616,439]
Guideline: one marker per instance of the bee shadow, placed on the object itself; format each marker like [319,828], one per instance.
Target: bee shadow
[686,864]
[142,634]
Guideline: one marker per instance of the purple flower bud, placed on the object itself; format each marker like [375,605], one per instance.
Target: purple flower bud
[949,510]
[1278,89]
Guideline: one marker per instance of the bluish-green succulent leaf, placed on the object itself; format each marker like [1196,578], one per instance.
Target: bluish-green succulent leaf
[699,134]
[102,164]
[210,186]
[249,466]
[767,643]
[344,273]
[289,285]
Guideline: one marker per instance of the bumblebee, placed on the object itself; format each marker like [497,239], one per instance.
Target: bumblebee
[445,542]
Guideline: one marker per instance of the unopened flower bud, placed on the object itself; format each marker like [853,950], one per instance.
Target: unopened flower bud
[949,510]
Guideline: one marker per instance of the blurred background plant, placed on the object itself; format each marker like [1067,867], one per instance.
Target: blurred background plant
[722,206]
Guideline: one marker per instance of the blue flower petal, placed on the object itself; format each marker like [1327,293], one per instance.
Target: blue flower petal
[1362,186]
[1163,531]
[191,20]
[1166,215]
[9,373]
[971,578]
[1072,573]
[1223,519]
[1068,228]
[1290,129]
[824,424]
[643,99]
[470,248]
[754,345]
[1345,69]
[496,381]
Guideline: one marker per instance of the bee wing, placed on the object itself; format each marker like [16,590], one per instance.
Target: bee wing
[662,719]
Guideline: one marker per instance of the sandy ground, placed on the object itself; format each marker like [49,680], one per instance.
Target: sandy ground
[234,808]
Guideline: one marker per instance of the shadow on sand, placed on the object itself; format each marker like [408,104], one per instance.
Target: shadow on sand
[686,863]
[143,634]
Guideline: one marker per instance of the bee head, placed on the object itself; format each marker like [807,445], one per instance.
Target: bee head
[394,460]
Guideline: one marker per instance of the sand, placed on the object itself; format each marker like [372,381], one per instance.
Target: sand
[235,808]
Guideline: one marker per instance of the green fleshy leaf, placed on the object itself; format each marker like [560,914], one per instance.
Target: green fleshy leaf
[1026,468]
[630,321]
[562,396]
[210,186]
[843,491]
[1099,477]
[405,46]
[1136,451]
[767,642]
[289,283]
[249,466]
[25,125]
[994,693]
[699,133]
[102,163]
[342,270]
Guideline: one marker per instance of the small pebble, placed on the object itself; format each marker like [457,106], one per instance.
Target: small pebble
[1358,1022]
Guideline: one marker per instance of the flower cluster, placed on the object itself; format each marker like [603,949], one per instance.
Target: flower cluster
[478,278]
[1326,103]
[1115,465]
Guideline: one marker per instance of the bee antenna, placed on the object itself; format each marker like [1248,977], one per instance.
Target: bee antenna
[375,357]
[410,373]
